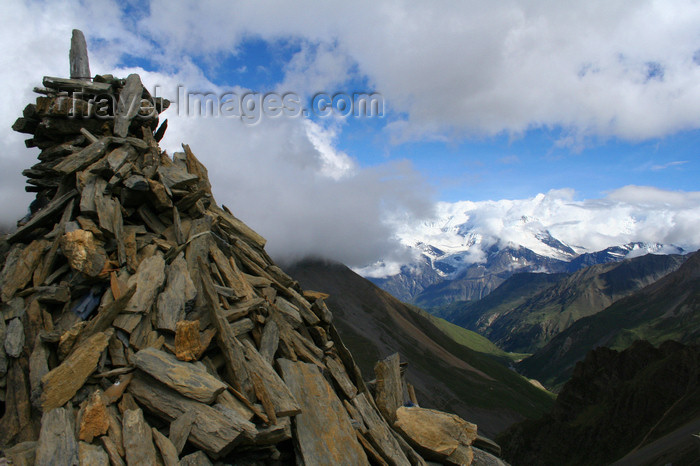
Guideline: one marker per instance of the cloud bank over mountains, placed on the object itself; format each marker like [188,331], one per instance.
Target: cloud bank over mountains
[628,69]
[629,214]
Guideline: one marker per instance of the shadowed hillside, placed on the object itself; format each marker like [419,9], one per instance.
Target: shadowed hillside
[446,374]
[617,403]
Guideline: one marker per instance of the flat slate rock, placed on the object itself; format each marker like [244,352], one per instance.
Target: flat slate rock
[93,455]
[232,276]
[281,397]
[389,389]
[14,338]
[76,85]
[269,341]
[341,377]
[43,216]
[231,348]
[186,378]
[78,56]
[379,433]
[323,429]
[198,458]
[129,104]
[178,295]
[138,439]
[211,430]
[167,450]
[112,451]
[3,355]
[180,429]
[80,160]
[57,439]
[62,382]
[19,267]
[21,454]
[484,458]
[149,279]
[434,432]
[38,366]
[175,177]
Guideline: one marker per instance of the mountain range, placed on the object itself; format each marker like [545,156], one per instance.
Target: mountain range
[455,261]
[666,309]
[535,294]
[529,309]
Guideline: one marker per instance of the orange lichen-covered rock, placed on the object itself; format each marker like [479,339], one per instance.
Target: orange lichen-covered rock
[94,421]
[187,342]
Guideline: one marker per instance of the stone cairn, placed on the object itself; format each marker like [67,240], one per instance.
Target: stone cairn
[143,324]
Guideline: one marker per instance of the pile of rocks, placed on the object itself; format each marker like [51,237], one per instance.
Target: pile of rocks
[144,324]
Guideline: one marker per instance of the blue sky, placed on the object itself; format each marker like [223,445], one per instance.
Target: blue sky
[502,167]
[484,101]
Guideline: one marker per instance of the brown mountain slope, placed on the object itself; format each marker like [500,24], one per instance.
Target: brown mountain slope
[446,375]
[666,309]
[531,325]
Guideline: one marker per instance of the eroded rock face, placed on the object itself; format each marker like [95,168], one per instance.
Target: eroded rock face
[434,433]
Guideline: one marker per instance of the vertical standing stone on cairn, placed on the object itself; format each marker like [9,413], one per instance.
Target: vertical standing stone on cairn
[79,64]
[128,106]
[389,396]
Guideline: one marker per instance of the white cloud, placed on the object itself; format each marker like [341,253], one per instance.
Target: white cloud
[629,214]
[317,67]
[335,164]
[380,269]
[664,166]
[287,180]
[651,198]
[597,68]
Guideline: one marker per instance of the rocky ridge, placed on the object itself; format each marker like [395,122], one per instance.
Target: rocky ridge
[438,278]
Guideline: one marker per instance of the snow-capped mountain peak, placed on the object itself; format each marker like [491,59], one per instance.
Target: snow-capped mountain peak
[469,248]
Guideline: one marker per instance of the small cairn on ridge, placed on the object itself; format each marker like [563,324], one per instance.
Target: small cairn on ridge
[143,324]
